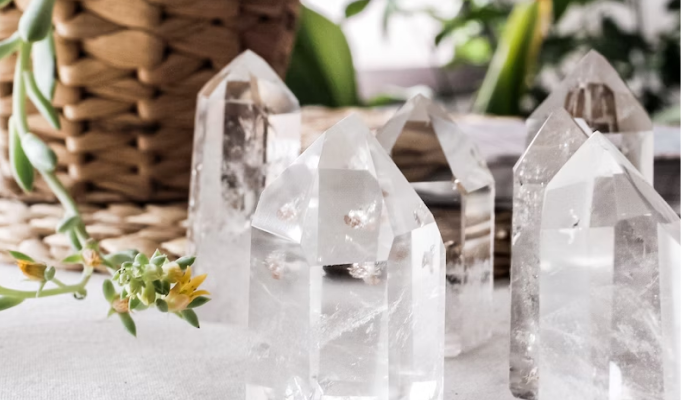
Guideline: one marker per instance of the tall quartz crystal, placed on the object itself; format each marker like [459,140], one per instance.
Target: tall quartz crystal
[347,279]
[610,283]
[552,147]
[595,93]
[247,132]
[463,181]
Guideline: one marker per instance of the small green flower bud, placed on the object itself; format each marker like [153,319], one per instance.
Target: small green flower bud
[141,259]
[159,260]
[148,295]
[135,286]
[185,261]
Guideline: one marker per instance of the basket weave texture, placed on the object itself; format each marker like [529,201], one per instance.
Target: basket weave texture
[128,75]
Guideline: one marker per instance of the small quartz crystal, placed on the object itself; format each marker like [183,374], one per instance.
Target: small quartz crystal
[594,93]
[453,178]
[347,288]
[247,132]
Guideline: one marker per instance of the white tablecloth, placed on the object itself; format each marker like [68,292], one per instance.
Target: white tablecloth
[61,348]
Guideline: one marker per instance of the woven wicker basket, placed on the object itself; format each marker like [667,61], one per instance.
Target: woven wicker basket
[129,72]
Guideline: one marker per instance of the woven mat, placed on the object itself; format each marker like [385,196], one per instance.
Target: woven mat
[31,229]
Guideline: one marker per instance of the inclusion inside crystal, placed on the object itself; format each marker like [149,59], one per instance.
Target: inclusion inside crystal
[347,284]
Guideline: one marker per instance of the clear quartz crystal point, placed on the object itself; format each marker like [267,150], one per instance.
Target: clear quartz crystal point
[552,147]
[610,283]
[464,179]
[247,132]
[347,279]
[595,93]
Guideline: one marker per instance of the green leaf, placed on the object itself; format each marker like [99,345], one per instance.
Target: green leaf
[161,305]
[20,256]
[111,312]
[159,260]
[49,273]
[9,45]
[514,60]
[198,302]
[42,157]
[356,7]
[9,302]
[45,66]
[73,238]
[22,170]
[39,101]
[36,21]
[185,261]
[109,290]
[157,253]
[73,259]
[67,223]
[128,323]
[121,257]
[191,317]
[321,69]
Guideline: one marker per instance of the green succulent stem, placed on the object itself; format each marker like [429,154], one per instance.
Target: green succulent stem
[19,89]
[32,294]
[144,281]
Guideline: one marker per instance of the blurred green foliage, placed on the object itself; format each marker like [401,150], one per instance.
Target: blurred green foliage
[321,69]
[518,44]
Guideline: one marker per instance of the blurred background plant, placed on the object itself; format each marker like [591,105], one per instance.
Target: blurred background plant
[524,48]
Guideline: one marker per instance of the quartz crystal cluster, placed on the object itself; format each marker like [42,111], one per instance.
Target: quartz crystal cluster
[609,282]
[594,93]
[461,190]
[552,147]
[247,132]
[347,279]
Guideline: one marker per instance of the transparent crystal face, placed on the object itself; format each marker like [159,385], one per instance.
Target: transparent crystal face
[608,320]
[347,284]
[247,132]
[446,169]
[551,148]
[595,93]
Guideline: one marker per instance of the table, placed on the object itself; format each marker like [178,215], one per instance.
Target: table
[62,348]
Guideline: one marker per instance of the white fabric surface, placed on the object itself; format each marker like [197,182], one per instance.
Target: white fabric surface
[61,348]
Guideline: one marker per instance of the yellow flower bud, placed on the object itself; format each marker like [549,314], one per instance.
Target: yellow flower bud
[121,305]
[91,257]
[33,271]
[173,272]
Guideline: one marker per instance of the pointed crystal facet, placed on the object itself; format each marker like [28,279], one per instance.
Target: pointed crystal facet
[247,132]
[456,175]
[347,279]
[609,283]
[595,93]
[552,147]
